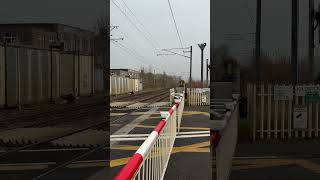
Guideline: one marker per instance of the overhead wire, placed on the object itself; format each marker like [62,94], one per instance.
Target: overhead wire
[139,21]
[175,24]
[137,28]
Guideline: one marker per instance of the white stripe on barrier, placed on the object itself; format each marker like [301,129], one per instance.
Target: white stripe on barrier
[177,137]
[147,145]
[151,159]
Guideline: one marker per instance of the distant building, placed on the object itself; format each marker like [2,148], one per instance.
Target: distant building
[126,73]
[41,35]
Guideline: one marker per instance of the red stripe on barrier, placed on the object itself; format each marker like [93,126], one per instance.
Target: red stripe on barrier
[160,126]
[215,138]
[130,168]
[171,109]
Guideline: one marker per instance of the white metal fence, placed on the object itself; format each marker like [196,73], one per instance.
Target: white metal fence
[151,159]
[224,140]
[198,96]
[272,118]
[180,101]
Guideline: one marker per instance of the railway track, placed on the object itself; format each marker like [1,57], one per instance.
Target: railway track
[160,95]
[99,124]
[52,118]
[130,96]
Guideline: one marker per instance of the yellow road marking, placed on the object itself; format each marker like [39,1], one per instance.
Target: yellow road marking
[262,163]
[310,166]
[185,113]
[152,127]
[25,166]
[193,148]
[86,164]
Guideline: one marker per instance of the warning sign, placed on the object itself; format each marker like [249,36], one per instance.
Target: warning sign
[204,99]
[300,117]
[283,93]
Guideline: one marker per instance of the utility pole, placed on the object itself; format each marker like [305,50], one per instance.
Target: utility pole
[311,38]
[154,78]
[207,71]
[258,41]
[190,72]
[294,40]
[174,53]
[202,46]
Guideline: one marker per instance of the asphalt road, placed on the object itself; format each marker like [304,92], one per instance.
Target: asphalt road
[277,160]
[187,152]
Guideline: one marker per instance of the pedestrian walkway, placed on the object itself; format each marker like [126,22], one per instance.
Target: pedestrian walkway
[191,145]
[191,158]
[277,159]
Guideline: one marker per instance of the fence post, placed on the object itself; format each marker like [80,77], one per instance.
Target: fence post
[276,119]
[5,75]
[310,119]
[316,121]
[282,118]
[254,111]
[289,118]
[303,133]
[296,132]
[269,111]
[262,111]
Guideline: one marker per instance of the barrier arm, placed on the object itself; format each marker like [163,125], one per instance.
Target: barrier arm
[151,159]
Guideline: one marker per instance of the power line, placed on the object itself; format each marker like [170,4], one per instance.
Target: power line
[132,53]
[146,29]
[135,26]
[174,20]
[125,49]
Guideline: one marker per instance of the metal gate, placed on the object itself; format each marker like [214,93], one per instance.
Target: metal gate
[283,111]
[198,96]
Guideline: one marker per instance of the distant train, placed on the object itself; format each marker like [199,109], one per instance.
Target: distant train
[123,85]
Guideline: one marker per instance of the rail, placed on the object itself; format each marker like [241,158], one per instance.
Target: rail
[151,159]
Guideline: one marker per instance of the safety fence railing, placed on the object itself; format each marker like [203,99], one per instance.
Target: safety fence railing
[172,93]
[198,96]
[151,159]
[283,111]
[224,136]
[180,100]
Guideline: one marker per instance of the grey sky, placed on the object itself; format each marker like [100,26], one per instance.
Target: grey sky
[193,20]
[230,16]
[192,16]
[81,13]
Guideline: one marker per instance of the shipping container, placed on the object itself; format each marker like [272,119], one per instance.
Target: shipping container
[27,78]
[67,74]
[12,77]
[85,75]
[123,85]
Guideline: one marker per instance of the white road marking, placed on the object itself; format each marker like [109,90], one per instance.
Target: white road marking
[127,128]
[141,137]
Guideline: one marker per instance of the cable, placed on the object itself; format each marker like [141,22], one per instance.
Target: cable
[156,42]
[127,50]
[135,26]
[174,20]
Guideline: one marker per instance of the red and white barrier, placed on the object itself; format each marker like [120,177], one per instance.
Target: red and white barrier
[151,159]
[224,140]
